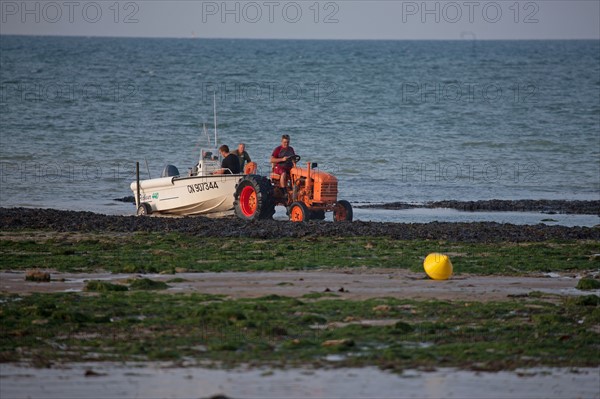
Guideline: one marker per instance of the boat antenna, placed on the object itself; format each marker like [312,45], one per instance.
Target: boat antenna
[199,146]
[206,133]
[147,168]
[215,114]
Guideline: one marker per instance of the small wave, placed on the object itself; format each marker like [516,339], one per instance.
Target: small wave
[486,144]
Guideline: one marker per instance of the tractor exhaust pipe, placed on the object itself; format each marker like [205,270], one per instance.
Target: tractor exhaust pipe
[309,180]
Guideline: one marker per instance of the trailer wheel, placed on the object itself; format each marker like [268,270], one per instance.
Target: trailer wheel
[298,212]
[342,212]
[144,209]
[253,198]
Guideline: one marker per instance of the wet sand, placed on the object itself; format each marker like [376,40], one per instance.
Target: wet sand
[356,284]
[162,380]
[543,206]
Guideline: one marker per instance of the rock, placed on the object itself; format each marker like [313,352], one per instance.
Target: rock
[129,198]
[382,308]
[37,276]
[72,221]
[338,342]
[92,373]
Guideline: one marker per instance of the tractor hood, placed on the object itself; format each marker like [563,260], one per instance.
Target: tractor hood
[318,176]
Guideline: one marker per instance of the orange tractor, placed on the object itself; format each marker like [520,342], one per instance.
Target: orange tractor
[308,195]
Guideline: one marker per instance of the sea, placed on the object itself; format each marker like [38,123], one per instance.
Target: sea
[410,121]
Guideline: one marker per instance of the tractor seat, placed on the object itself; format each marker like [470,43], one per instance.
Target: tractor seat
[274,176]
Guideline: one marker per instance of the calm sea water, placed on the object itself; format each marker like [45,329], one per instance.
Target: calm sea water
[394,120]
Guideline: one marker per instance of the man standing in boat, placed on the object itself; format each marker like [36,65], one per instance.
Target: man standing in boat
[281,158]
[242,155]
[230,164]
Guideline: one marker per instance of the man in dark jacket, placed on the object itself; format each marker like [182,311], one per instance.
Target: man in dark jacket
[230,164]
[242,155]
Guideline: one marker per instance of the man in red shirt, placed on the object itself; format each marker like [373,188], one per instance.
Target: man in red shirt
[281,158]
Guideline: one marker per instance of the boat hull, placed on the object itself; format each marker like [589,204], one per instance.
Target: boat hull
[194,195]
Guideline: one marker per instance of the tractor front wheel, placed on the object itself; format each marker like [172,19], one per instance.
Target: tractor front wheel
[298,212]
[342,212]
[253,198]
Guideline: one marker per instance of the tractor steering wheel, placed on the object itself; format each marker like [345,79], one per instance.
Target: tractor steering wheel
[295,158]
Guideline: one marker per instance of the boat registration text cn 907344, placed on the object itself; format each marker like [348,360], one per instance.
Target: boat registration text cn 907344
[196,188]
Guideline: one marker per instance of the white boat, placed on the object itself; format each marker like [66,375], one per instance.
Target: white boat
[200,192]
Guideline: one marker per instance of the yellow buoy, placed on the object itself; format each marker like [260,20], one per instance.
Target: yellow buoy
[438,266]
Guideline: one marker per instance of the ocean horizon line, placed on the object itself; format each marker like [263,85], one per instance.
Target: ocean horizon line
[300,39]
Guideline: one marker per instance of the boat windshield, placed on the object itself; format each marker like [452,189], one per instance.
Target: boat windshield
[211,155]
[210,161]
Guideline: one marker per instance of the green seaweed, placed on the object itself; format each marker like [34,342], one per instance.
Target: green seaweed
[103,286]
[173,252]
[588,284]
[278,330]
[177,280]
[147,284]
[538,329]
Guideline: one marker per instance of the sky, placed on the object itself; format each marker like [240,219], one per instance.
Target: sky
[311,19]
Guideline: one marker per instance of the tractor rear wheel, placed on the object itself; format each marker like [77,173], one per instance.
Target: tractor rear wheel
[253,198]
[298,212]
[342,212]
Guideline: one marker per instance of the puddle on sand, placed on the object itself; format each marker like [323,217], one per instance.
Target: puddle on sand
[157,380]
[426,215]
